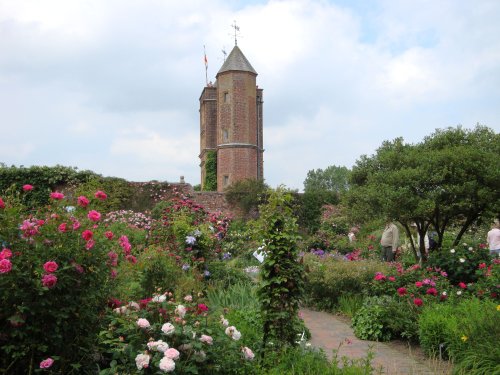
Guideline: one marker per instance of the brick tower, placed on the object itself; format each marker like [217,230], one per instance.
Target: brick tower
[231,123]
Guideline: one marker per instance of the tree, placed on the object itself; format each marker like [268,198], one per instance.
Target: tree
[321,187]
[451,177]
[247,194]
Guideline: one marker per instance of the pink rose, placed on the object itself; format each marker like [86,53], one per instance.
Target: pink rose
[172,353]
[76,225]
[56,195]
[2,203]
[82,201]
[392,278]
[62,228]
[401,291]
[27,187]
[100,195]
[109,235]
[5,266]
[132,259]
[5,253]
[379,276]
[418,284]
[87,235]
[462,285]
[50,267]
[247,353]
[94,215]
[47,363]
[207,339]
[90,244]
[49,280]
[418,302]
[143,323]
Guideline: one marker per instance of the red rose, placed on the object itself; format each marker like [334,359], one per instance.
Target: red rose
[49,280]
[28,187]
[418,302]
[401,291]
[87,235]
[50,267]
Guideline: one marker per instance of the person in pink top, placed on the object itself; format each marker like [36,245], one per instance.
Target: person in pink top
[493,239]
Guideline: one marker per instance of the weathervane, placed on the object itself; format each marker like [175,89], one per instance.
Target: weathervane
[236,30]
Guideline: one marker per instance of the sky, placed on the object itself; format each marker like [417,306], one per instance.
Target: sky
[113,86]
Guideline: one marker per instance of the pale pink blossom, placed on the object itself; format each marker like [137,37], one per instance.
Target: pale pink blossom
[207,339]
[247,353]
[47,363]
[188,298]
[172,353]
[233,333]
[180,310]
[143,323]
[167,364]
[168,328]
[142,361]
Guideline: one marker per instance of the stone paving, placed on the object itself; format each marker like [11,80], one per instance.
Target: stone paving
[330,333]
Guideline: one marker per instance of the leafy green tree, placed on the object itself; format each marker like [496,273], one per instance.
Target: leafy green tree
[282,275]
[450,178]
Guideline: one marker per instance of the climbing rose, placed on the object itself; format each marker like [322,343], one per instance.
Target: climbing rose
[5,253]
[94,215]
[5,266]
[207,339]
[168,328]
[56,195]
[418,302]
[27,187]
[143,323]
[167,364]
[172,353]
[401,291]
[2,203]
[247,353]
[50,267]
[46,363]
[100,195]
[49,280]
[87,235]
[82,201]
[142,361]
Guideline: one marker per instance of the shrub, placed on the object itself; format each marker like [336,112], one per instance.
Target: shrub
[462,331]
[327,279]
[460,262]
[222,275]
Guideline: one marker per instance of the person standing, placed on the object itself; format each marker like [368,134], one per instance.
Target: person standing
[389,241]
[493,239]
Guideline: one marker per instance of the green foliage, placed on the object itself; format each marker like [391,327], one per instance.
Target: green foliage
[224,275]
[210,183]
[282,275]
[460,263]
[328,279]
[349,304]
[241,295]
[311,204]
[370,322]
[247,195]
[452,177]
[467,331]
[118,190]
[43,179]
[333,179]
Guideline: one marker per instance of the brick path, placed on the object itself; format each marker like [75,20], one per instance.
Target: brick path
[330,333]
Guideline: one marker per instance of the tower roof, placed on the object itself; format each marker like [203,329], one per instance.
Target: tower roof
[236,61]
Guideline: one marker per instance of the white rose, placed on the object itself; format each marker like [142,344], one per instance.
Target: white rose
[167,364]
[462,260]
[180,310]
[247,353]
[143,323]
[452,251]
[142,361]
[159,298]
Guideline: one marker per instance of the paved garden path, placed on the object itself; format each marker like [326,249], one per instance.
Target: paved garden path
[330,333]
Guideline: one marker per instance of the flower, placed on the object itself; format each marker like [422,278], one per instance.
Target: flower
[185,267]
[402,291]
[76,224]
[143,323]
[247,353]
[233,333]
[100,195]
[159,346]
[142,361]
[432,291]
[168,328]
[190,240]
[87,235]
[47,363]
[180,310]
[207,339]
[2,203]
[459,292]
[462,285]
[5,253]
[464,338]
[379,276]
[159,298]
[63,227]
[82,201]
[188,298]
[498,307]
[27,187]
[462,260]
[418,302]
[172,353]
[452,251]
[49,280]
[109,235]
[50,267]
[482,265]
[5,266]
[471,248]
[418,284]
[90,244]
[56,195]
[167,364]
[93,215]
[392,278]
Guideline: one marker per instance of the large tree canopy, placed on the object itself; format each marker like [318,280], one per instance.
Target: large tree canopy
[451,177]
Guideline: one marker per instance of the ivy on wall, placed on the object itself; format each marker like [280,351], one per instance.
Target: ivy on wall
[210,183]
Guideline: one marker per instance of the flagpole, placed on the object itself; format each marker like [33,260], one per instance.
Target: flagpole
[206,65]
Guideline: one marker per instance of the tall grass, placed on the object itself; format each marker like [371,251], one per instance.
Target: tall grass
[239,296]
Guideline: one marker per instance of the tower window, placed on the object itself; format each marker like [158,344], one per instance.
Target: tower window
[225,135]
[226,180]
[226,97]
